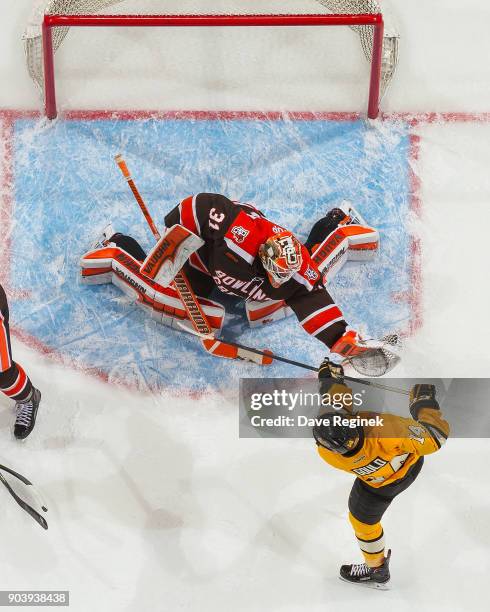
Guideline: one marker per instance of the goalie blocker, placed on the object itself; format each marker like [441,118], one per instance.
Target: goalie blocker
[169,255]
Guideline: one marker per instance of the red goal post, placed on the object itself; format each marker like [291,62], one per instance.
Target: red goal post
[50,21]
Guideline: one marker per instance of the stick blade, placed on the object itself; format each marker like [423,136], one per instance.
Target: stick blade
[26,496]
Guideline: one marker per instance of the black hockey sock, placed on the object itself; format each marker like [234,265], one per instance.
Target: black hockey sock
[15,383]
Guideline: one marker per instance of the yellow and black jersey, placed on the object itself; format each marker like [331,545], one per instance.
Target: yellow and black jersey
[389,450]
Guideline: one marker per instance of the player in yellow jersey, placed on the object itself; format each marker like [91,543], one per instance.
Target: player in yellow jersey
[385,458]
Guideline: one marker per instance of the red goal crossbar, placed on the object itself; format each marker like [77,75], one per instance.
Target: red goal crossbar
[50,21]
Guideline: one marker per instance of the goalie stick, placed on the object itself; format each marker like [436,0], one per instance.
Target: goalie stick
[186,294]
[305,366]
[37,516]
[194,311]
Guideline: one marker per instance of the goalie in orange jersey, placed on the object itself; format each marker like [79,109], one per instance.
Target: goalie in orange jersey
[386,458]
[232,247]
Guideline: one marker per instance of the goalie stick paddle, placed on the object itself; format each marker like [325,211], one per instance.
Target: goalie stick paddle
[39,518]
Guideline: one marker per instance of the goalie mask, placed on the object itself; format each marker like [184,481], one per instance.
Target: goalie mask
[281,257]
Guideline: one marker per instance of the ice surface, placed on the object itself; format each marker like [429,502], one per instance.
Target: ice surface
[293,170]
[155,504]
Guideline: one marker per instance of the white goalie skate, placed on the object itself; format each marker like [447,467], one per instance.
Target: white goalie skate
[102,239]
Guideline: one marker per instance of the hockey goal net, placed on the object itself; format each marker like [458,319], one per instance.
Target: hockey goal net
[73,10]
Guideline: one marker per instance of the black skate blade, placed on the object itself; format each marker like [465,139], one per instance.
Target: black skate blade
[370,584]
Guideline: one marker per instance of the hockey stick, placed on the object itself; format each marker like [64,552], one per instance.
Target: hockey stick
[305,366]
[180,283]
[137,196]
[22,503]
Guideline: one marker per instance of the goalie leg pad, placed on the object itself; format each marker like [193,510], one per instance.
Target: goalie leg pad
[162,303]
[96,266]
[347,242]
[350,239]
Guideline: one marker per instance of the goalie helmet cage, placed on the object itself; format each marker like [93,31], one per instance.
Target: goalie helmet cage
[51,19]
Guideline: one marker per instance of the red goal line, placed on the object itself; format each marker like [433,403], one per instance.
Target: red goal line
[50,21]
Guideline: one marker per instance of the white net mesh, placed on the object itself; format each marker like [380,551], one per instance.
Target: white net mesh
[366,34]
[33,42]
[32,36]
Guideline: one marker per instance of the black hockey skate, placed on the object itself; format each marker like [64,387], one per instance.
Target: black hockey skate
[373,577]
[324,227]
[26,415]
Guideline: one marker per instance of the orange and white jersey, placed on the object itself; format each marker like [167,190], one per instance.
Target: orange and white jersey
[234,232]
[351,240]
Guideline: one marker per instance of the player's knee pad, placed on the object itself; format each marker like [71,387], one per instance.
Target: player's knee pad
[365,530]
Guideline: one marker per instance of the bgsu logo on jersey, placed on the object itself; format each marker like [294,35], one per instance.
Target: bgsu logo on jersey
[239,233]
[311,274]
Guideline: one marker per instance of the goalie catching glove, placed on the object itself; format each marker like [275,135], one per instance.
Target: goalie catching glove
[368,357]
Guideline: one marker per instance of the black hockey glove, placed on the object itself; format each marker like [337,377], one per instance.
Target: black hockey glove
[422,396]
[329,369]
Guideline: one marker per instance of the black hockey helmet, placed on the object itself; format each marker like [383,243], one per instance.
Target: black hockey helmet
[336,437]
